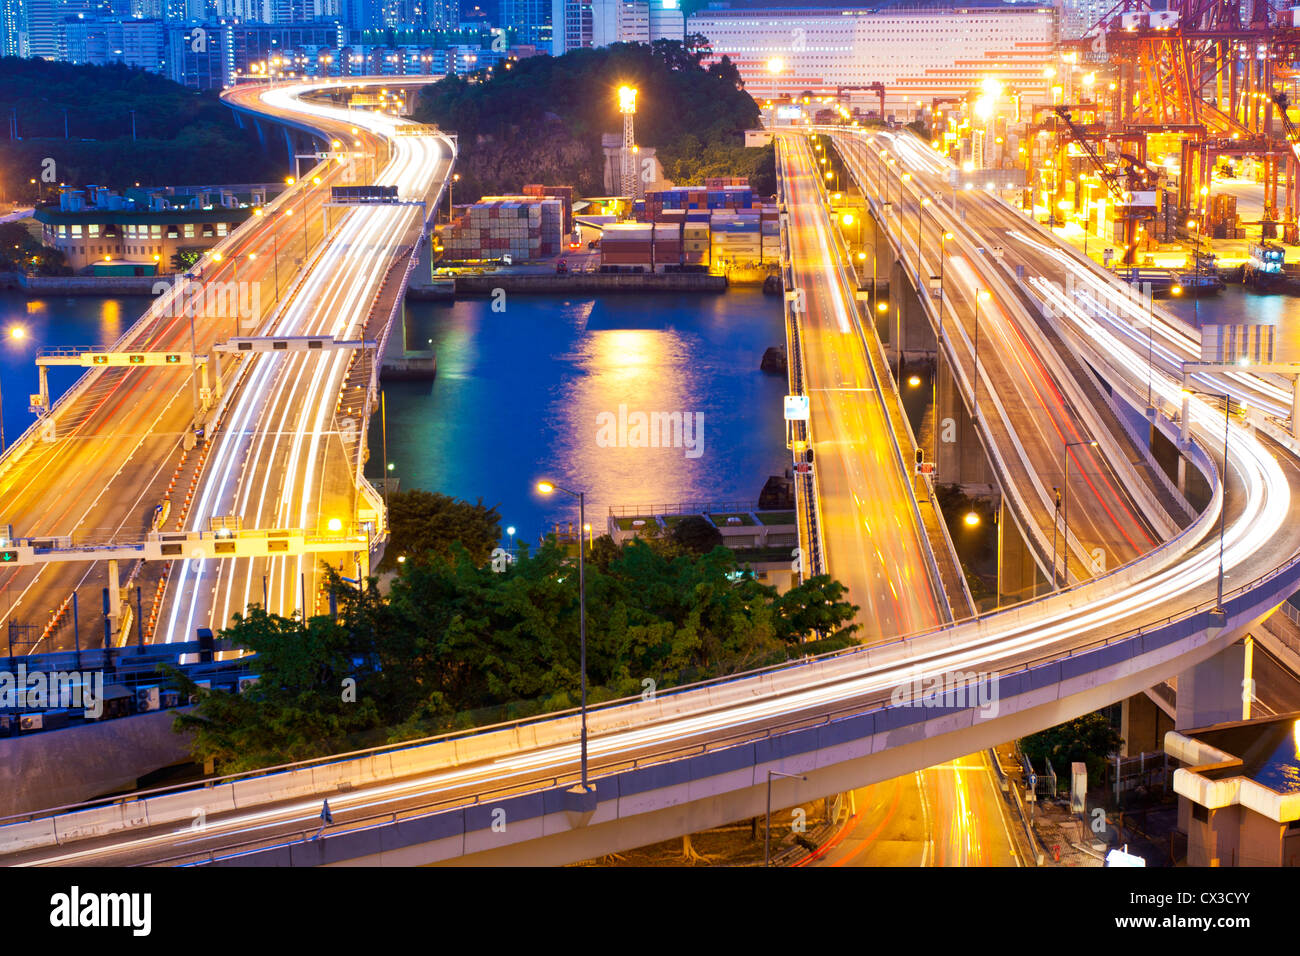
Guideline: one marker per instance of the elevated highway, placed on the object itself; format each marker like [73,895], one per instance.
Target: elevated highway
[133,453]
[700,756]
[293,450]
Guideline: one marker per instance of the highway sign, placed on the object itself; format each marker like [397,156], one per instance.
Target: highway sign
[796,408]
[803,468]
[92,359]
[925,468]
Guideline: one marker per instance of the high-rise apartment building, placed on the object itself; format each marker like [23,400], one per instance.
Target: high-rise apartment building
[619,21]
[530,20]
[918,50]
[571,25]
[100,40]
[666,20]
[13,28]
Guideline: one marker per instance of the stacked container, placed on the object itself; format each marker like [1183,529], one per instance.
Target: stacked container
[668,243]
[737,237]
[562,193]
[520,227]
[695,241]
[770,227]
[628,244]
[722,182]
[693,198]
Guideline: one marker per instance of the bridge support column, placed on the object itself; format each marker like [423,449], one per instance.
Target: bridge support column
[1218,689]
[1142,724]
[960,455]
[114,596]
[44,388]
[215,358]
[423,274]
[1019,577]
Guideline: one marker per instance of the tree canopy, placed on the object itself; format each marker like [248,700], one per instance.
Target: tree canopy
[542,120]
[455,644]
[1090,739]
[22,251]
[425,525]
[182,136]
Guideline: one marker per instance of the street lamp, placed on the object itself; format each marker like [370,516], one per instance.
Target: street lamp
[1065,509]
[767,827]
[547,488]
[191,277]
[980,296]
[1196,270]
[925,201]
[934,380]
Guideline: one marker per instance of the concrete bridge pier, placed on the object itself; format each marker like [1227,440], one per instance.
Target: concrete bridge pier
[1218,689]
[871,258]
[961,458]
[1143,724]
[1019,576]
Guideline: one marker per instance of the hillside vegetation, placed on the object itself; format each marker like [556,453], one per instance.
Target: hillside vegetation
[542,119]
[183,136]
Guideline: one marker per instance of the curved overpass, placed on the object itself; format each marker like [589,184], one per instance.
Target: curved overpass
[291,452]
[700,756]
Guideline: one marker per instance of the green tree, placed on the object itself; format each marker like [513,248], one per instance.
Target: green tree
[542,120]
[297,710]
[816,609]
[181,135]
[425,524]
[696,534]
[1090,738]
[455,644]
[184,259]
[21,251]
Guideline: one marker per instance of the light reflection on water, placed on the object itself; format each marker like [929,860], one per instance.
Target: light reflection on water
[1280,771]
[1237,305]
[49,323]
[518,394]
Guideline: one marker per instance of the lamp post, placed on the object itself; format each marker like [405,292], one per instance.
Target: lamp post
[980,296]
[1196,272]
[546,488]
[1065,509]
[194,360]
[1056,515]
[934,379]
[767,827]
[920,208]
